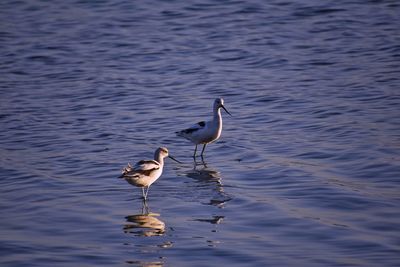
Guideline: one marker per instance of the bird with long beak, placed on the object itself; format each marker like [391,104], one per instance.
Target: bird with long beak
[146,172]
[206,132]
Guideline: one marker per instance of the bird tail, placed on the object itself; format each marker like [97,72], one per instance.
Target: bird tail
[126,170]
[180,133]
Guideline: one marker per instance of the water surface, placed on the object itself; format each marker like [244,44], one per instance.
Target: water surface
[306,172]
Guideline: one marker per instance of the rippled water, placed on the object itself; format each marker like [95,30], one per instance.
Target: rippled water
[306,172]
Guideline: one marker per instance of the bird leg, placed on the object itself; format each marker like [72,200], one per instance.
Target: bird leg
[143,194]
[147,191]
[195,150]
[202,151]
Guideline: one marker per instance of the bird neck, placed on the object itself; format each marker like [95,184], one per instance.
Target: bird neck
[217,115]
[159,159]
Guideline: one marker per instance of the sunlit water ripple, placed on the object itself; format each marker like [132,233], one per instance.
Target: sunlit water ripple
[306,172]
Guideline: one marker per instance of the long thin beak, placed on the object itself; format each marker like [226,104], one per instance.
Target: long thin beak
[171,157]
[226,110]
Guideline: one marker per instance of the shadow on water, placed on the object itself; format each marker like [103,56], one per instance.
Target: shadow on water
[145,223]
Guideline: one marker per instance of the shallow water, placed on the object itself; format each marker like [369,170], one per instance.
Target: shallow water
[306,172]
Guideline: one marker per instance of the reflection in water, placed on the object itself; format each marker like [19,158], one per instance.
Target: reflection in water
[145,223]
[146,264]
[202,172]
[209,176]
[214,220]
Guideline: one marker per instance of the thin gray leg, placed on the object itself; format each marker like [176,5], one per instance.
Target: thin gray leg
[147,191]
[143,194]
[202,151]
[195,150]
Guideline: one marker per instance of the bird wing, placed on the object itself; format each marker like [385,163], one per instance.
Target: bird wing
[146,165]
[195,127]
[143,167]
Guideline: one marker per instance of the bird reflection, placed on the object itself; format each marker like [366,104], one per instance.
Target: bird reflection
[213,220]
[145,223]
[203,173]
[209,176]
[146,264]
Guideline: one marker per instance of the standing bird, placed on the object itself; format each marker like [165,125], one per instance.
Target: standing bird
[146,172]
[205,132]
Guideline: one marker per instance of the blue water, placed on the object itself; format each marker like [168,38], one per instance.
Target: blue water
[306,173]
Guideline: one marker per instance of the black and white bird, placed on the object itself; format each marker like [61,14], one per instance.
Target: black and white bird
[206,132]
[146,172]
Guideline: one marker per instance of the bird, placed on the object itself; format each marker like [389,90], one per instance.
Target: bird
[145,172]
[205,132]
